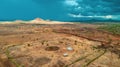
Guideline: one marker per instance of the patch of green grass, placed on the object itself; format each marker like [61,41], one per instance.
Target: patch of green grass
[113,28]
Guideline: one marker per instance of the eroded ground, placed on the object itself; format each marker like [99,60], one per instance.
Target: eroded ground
[65,45]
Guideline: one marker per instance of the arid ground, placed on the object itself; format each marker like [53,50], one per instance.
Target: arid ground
[58,45]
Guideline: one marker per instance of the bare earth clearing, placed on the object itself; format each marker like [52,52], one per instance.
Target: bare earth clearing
[57,45]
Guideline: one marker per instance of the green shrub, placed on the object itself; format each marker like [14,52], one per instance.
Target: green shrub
[113,28]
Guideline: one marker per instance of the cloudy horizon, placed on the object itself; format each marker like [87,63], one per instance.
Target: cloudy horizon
[62,10]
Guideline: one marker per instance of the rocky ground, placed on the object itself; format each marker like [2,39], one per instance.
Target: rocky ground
[57,45]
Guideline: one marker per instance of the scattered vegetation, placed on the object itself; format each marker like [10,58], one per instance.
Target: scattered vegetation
[44,41]
[11,59]
[88,63]
[79,59]
[113,28]
[41,61]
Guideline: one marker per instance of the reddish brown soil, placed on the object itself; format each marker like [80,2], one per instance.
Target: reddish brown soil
[40,45]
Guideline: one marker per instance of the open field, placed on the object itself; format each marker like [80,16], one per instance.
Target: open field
[112,28]
[59,45]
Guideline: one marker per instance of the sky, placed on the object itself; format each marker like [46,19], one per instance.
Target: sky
[61,10]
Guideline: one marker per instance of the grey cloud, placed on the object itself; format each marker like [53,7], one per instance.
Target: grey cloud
[98,7]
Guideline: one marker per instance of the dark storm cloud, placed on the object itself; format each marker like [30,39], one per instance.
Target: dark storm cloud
[95,9]
[58,9]
[112,1]
[115,5]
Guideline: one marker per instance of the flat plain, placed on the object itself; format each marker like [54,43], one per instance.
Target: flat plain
[58,45]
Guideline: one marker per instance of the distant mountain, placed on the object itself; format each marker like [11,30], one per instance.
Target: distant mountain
[87,20]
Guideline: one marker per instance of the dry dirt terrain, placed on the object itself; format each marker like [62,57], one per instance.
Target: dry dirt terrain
[57,45]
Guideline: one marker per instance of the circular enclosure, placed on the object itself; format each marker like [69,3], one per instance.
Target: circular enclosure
[52,48]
